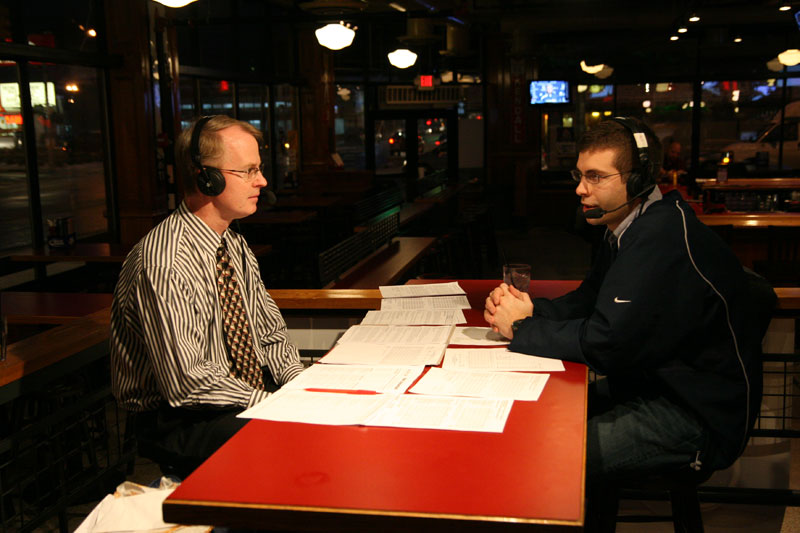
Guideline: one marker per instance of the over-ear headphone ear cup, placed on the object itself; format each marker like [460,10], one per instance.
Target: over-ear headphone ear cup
[210,181]
[634,184]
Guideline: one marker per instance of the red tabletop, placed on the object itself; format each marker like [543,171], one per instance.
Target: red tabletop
[292,476]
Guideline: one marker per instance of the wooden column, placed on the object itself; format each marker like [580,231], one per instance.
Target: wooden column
[316,103]
[141,193]
[513,146]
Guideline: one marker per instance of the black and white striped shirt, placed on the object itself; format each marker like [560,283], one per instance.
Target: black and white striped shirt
[167,341]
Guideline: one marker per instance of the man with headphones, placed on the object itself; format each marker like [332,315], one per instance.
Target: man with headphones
[666,317]
[174,357]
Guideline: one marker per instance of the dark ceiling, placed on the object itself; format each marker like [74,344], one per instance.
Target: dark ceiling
[631,36]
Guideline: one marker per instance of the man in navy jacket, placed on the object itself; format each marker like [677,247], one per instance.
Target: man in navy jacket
[664,316]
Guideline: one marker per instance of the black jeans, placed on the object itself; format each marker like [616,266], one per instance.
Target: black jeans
[179,439]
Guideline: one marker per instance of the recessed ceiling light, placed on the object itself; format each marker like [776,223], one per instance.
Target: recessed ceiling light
[682,29]
[785,7]
[673,38]
[737,39]
[694,18]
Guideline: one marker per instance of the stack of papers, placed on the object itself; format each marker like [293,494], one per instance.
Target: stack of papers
[365,376]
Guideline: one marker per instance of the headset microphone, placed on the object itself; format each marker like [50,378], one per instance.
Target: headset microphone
[599,212]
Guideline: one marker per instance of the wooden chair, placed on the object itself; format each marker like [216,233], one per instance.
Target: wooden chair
[681,487]
[782,266]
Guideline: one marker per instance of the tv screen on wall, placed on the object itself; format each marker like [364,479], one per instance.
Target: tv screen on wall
[549,92]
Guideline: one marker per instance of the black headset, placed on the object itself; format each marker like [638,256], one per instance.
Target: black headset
[210,180]
[642,178]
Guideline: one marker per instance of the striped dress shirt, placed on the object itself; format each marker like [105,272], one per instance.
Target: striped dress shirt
[167,342]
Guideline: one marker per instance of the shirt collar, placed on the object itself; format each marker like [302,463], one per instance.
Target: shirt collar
[654,196]
[207,239]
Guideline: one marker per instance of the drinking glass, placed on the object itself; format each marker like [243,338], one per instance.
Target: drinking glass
[518,275]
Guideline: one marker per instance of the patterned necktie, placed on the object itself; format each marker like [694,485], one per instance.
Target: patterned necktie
[244,364]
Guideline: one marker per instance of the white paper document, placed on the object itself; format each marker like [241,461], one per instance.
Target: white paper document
[415,317]
[427,289]
[477,336]
[386,379]
[499,360]
[358,353]
[405,335]
[330,408]
[429,412]
[425,302]
[403,410]
[481,384]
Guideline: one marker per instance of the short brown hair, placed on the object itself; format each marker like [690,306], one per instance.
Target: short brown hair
[612,135]
[209,145]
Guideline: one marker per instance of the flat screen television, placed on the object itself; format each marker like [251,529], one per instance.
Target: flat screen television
[549,92]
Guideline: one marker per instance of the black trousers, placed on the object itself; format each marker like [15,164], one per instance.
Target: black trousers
[179,439]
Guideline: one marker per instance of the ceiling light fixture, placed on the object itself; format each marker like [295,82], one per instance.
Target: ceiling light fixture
[789,57]
[398,7]
[683,29]
[335,36]
[402,58]
[737,39]
[785,7]
[673,38]
[591,69]
[175,3]
[694,18]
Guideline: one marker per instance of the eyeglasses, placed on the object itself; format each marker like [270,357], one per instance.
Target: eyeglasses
[592,177]
[248,175]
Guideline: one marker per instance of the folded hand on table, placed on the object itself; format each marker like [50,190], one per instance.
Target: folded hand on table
[504,305]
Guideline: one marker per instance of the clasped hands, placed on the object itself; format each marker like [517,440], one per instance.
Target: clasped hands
[504,305]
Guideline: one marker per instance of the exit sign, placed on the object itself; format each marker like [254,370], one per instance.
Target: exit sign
[425,82]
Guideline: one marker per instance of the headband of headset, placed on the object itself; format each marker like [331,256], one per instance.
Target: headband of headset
[641,178]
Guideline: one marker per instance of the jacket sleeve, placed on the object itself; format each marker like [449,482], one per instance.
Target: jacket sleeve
[648,303]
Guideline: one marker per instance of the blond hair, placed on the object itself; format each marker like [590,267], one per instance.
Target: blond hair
[210,146]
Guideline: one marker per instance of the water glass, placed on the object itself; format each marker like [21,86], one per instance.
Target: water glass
[518,275]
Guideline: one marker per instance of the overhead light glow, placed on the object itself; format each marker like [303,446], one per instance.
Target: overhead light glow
[683,29]
[335,36]
[789,57]
[673,38]
[775,65]
[785,7]
[591,69]
[175,3]
[737,39]
[694,18]
[402,58]
[91,32]
[398,7]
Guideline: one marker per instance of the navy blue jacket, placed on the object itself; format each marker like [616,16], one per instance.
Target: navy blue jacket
[671,313]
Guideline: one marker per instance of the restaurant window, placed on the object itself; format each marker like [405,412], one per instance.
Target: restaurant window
[665,107]
[188,97]
[15,204]
[253,101]
[390,146]
[432,148]
[286,136]
[743,118]
[67,116]
[349,125]
[216,97]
